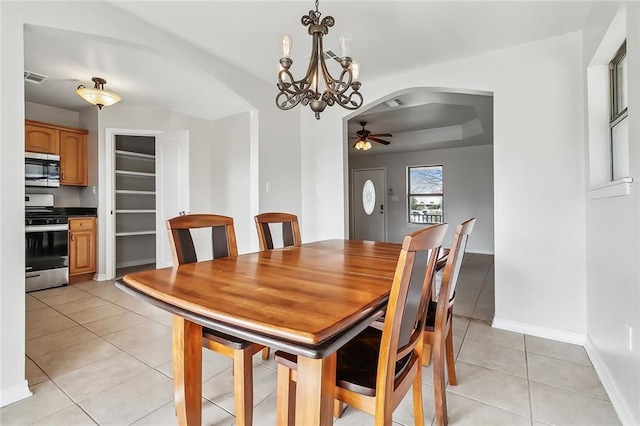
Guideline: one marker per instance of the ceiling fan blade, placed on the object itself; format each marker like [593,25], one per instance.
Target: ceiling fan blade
[388,135]
[383,142]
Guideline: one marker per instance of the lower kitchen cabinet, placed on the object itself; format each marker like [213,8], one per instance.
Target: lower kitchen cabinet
[82,248]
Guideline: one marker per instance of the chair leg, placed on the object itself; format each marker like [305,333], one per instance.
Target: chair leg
[418,412]
[451,362]
[439,386]
[426,354]
[285,398]
[243,387]
[265,353]
[338,408]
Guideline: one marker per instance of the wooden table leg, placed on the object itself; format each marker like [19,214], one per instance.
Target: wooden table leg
[187,371]
[315,391]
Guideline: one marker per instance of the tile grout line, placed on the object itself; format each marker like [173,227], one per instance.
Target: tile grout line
[526,361]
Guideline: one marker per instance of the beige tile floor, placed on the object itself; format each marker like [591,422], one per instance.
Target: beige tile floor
[95,355]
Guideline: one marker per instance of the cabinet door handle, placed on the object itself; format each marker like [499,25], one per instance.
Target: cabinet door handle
[73,237]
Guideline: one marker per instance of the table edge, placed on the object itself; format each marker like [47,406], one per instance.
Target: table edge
[316,351]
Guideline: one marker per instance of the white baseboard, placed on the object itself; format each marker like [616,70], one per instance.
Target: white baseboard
[14,393]
[479,251]
[135,263]
[102,277]
[619,404]
[539,331]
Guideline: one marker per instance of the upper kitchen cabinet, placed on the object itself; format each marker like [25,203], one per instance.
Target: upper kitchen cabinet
[73,158]
[42,139]
[69,143]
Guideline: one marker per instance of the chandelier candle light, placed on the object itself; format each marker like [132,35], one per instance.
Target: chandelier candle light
[97,95]
[307,90]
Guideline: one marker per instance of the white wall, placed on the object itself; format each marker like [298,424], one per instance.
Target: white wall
[211,150]
[48,114]
[230,186]
[613,235]
[275,153]
[468,189]
[13,385]
[538,160]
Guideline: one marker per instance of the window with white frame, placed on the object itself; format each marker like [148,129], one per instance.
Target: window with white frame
[425,189]
[618,122]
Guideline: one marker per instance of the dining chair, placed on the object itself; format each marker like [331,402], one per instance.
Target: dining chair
[438,334]
[290,229]
[376,369]
[290,236]
[223,241]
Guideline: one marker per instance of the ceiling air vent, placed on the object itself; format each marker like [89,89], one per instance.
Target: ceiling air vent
[33,77]
[392,103]
[328,54]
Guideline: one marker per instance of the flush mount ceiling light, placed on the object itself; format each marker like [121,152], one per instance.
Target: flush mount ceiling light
[97,95]
[308,90]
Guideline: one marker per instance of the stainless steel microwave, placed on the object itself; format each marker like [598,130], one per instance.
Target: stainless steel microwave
[41,169]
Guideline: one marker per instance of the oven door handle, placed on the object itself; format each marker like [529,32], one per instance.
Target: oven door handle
[45,228]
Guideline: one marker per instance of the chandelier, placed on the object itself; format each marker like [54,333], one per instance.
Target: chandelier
[97,95]
[307,91]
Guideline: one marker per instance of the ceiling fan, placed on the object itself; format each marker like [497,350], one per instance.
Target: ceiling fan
[364,136]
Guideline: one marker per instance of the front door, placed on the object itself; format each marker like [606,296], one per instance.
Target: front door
[368,200]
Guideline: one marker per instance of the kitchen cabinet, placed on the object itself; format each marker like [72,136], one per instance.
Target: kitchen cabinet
[38,138]
[73,158]
[69,143]
[82,248]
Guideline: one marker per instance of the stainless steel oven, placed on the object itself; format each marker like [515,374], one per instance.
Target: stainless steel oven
[41,169]
[46,245]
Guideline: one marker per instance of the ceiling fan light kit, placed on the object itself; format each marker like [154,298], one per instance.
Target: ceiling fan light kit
[307,91]
[364,136]
[97,95]
[362,145]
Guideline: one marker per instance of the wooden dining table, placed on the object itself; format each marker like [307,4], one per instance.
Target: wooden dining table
[307,300]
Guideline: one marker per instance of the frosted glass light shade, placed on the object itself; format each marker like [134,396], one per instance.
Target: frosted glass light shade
[97,95]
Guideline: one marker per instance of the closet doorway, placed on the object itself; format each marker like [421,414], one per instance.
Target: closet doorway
[147,183]
[135,203]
